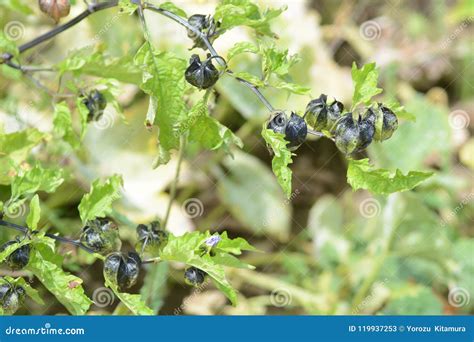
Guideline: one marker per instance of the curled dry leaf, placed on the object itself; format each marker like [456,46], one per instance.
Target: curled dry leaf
[56,9]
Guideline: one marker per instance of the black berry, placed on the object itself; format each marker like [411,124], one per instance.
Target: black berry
[204,24]
[151,238]
[101,235]
[321,115]
[194,276]
[95,103]
[122,269]
[11,297]
[390,123]
[294,128]
[346,134]
[19,258]
[201,74]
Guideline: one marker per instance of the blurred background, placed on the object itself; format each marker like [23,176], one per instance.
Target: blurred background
[326,250]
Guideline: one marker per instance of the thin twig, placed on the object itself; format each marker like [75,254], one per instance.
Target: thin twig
[92,8]
[69,241]
[27,68]
[174,184]
[25,230]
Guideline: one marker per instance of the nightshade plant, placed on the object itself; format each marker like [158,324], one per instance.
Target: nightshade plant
[169,80]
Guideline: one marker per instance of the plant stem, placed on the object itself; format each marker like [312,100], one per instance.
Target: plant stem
[52,236]
[69,241]
[174,184]
[13,226]
[152,261]
[186,24]
[93,8]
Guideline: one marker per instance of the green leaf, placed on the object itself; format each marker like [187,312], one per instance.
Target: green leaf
[99,64]
[14,149]
[232,13]
[234,246]
[45,264]
[217,274]
[207,131]
[182,248]
[291,87]
[133,302]
[276,61]
[171,7]
[34,180]
[365,84]
[31,292]
[399,110]
[361,175]
[281,159]
[241,47]
[84,115]
[188,249]
[163,79]
[35,213]
[63,128]
[230,261]
[127,6]
[98,202]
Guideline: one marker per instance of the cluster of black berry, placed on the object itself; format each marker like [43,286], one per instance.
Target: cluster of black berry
[351,134]
[101,236]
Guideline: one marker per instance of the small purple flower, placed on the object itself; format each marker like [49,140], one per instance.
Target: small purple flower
[213,240]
